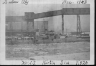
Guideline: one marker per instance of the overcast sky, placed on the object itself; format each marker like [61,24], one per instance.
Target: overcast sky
[54,22]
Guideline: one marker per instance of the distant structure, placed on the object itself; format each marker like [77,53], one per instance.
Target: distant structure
[78,25]
[30,16]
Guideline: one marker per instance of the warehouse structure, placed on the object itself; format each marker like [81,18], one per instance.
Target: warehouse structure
[29,26]
[18,23]
[30,16]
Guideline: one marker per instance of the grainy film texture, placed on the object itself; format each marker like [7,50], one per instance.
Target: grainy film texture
[47,31]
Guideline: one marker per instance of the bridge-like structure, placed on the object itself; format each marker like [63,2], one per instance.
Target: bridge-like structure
[30,16]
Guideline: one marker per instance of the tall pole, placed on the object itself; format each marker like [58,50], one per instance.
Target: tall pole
[33,24]
[62,23]
[27,26]
[78,25]
[62,20]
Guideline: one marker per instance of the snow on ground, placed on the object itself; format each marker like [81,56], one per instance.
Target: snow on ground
[52,51]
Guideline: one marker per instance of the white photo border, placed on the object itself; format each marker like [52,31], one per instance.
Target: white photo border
[3,61]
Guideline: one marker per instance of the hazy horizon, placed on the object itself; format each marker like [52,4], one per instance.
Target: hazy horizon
[54,22]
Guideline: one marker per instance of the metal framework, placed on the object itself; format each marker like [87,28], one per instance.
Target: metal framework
[79,30]
[66,11]
[30,16]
